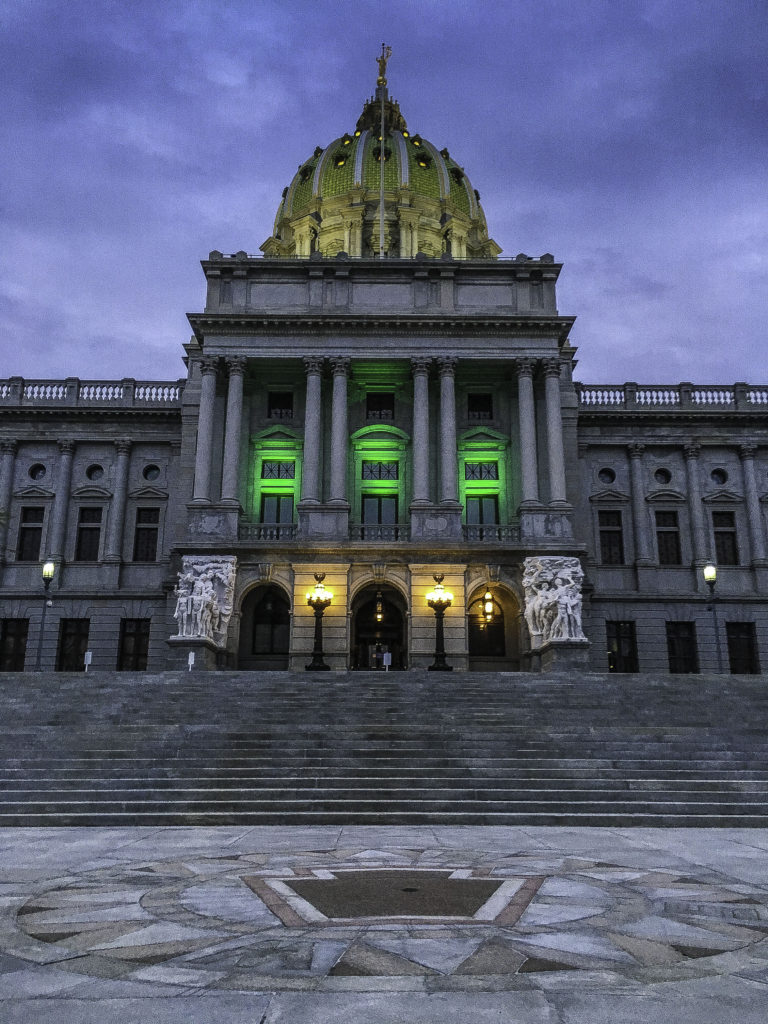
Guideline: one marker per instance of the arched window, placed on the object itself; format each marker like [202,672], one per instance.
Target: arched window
[486,638]
[271,623]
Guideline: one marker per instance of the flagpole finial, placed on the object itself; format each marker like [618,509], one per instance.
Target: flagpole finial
[386,53]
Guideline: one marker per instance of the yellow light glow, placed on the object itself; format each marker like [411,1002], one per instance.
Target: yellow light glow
[488,605]
[48,570]
[439,595]
[710,573]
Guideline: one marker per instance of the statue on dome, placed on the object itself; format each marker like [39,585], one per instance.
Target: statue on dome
[386,53]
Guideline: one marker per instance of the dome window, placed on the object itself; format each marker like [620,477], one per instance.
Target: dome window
[445,154]
[457,174]
[346,140]
[377,153]
[305,172]
[416,140]
[424,160]
[339,159]
[406,135]
[358,133]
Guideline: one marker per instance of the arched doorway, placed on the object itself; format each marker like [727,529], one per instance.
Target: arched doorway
[265,629]
[378,629]
[493,634]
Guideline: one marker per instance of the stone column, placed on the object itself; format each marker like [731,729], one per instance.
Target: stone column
[204,455]
[555,453]
[420,369]
[114,545]
[527,426]
[310,480]
[230,480]
[754,513]
[61,500]
[695,508]
[449,494]
[639,518]
[8,451]
[339,433]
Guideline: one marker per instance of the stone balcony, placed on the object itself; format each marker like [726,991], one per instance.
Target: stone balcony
[671,397]
[73,392]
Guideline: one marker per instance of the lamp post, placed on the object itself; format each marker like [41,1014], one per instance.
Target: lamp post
[439,599]
[318,599]
[710,578]
[49,568]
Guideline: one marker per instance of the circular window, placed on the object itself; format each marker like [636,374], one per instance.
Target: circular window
[38,471]
[719,476]
[662,476]
[151,472]
[606,476]
[95,472]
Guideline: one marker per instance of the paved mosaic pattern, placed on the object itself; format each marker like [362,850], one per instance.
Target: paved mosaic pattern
[189,921]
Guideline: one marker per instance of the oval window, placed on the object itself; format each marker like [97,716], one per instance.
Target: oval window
[662,476]
[151,472]
[95,472]
[719,476]
[606,475]
[38,471]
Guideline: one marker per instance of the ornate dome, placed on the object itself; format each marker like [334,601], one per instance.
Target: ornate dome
[332,205]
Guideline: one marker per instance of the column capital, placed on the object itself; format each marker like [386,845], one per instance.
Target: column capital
[208,365]
[313,364]
[525,367]
[447,366]
[635,450]
[123,445]
[692,450]
[66,447]
[9,445]
[551,367]
[339,366]
[421,364]
[748,450]
[236,365]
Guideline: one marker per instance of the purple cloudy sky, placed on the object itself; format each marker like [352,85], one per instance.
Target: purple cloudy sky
[628,137]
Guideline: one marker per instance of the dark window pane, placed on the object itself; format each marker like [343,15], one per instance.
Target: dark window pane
[668,538]
[271,624]
[13,644]
[89,515]
[146,534]
[481,471]
[611,537]
[480,407]
[277,508]
[380,470]
[388,511]
[280,405]
[681,647]
[88,535]
[726,545]
[622,646]
[486,639]
[278,470]
[134,645]
[73,643]
[30,534]
[482,510]
[742,648]
[380,405]
[379,509]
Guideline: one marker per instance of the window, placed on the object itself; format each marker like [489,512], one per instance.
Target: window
[742,648]
[225,293]
[482,510]
[481,471]
[668,538]
[280,405]
[277,508]
[378,510]
[278,470]
[37,471]
[380,471]
[606,475]
[380,405]
[30,534]
[271,624]
[480,407]
[726,547]
[151,472]
[13,644]
[95,472]
[611,537]
[134,645]
[88,534]
[145,535]
[622,646]
[73,643]
[681,647]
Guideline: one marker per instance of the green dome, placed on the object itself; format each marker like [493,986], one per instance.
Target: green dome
[332,205]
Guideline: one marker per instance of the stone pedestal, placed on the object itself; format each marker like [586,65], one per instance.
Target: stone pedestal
[211,521]
[541,523]
[563,655]
[206,653]
[435,522]
[323,521]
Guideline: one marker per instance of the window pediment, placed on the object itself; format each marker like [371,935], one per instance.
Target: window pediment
[722,497]
[33,492]
[666,495]
[609,497]
[149,492]
[89,491]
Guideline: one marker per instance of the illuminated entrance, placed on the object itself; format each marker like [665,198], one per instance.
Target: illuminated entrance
[265,626]
[378,629]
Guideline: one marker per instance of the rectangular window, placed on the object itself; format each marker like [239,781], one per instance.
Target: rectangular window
[73,643]
[30,534]
[482,510]
[726,547]
[280,405]
[88,534]
[145,535]
[380,405]
[278,470]
[668,538]
[481,471]
[480,407]
[622,646]
[742,648]
[380,470]
[681,647]
[277,508]
[133,646]
[611,537]
[13,644]
[379,509]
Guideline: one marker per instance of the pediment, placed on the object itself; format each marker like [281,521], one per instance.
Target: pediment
[33,491]
[609,497]
[91,491]
[148,492]
[666,494]
[278,435]
[483,435]
[726,497]
[380,433]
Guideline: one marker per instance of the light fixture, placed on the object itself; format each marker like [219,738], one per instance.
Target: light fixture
[710,574]
[379,607]
[49,569]
[488,605]
[318,599]
[438,600]
[710,578]
[48,572]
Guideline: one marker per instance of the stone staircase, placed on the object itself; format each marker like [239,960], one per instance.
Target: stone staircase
[374,748]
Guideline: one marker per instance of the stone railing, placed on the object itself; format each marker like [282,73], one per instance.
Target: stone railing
[266,531]
[709,397]
[377,532]
[491,534]
[121,394]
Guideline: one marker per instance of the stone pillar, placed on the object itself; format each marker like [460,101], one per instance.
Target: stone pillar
[114,547]
[695,508]
[204,455]
[339,433]
[310,481]
[420,369]
[754,513]
[639,518]
[61,500]
[230,480]
[527,426]
[8,452]
[448,457]
[555,453]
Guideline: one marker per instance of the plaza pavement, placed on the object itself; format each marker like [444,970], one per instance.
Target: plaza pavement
[588,926]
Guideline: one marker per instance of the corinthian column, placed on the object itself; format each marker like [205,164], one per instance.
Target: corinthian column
[754,514]
[420,369]
[448,457]
[555,453]
[310,480]
[230,480]
[639,518]
[204,455]
[339,438]
[61,500]
[8,451]
[527,427]
[117,511]
[695,509]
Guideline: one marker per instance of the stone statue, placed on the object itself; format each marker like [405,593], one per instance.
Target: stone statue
[386,53]
[553,598]
[205,597]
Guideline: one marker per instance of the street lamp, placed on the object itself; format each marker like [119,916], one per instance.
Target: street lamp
[710,578]
[49,568]
[318,599]
[439,599]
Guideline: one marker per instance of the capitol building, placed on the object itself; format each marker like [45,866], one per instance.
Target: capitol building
[380,407]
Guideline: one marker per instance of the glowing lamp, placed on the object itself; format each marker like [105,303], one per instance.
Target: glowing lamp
[439,597]
[49,570]
[320,597]
[379,607]
[488,605]
[710,574]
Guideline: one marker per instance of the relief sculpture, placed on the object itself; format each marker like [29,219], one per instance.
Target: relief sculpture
[553,598]
[205,597]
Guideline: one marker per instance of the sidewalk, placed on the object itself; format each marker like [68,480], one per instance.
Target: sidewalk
[279,925]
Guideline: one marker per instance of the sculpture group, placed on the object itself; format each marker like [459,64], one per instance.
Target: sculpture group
[205,597]
[553,599]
